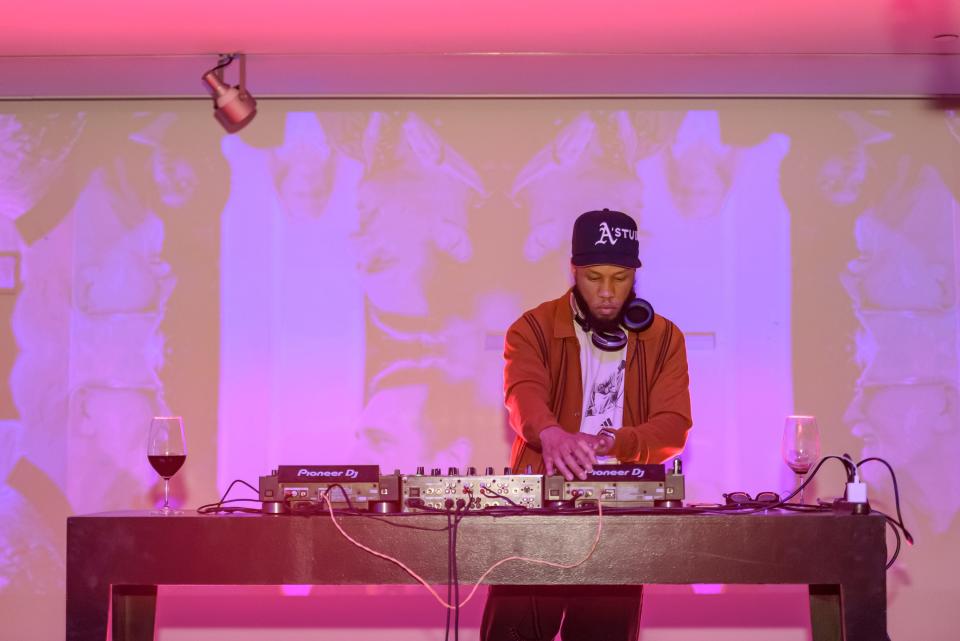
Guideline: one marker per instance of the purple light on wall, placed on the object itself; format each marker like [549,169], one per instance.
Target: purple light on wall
[708,588]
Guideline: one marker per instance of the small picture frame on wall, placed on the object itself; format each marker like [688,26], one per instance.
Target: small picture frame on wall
[9,272]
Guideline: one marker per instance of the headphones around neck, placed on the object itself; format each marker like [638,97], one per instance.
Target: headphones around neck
[636,316]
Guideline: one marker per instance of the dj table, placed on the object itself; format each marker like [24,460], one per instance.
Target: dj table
[119,558]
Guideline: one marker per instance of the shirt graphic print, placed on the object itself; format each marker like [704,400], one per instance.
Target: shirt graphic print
[602,375]
[606,396]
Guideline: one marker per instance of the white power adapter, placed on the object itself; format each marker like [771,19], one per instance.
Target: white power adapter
[856,490]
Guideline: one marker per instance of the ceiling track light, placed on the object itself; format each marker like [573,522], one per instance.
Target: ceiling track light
[233,106]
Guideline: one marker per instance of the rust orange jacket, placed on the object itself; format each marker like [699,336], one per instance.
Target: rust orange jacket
[542,385]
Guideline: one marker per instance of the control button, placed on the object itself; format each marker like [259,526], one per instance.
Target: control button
[452,471]
[435,471]
[471,471]
[488,471]
[419,470]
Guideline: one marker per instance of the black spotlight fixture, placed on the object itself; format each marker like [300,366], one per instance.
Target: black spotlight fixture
[233,106]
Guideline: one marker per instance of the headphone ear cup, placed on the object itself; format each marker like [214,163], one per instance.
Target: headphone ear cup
[608,341]
[638,315]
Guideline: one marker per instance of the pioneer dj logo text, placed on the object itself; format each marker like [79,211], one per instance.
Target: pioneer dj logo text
[637,472]
[611,236]
[348,473]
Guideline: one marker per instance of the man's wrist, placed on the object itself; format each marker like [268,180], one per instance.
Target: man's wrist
[547,431]
[608,431]
[611,435]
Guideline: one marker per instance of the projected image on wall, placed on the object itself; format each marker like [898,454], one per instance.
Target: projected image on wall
[333,285]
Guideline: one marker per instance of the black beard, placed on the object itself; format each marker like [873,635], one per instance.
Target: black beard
[610,326]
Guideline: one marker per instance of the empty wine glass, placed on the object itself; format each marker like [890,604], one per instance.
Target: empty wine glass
[801,445]
[166,451]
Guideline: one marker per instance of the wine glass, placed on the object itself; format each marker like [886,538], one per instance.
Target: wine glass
[801,445]
[166,451]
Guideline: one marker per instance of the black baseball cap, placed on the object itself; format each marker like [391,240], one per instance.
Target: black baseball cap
[605,237]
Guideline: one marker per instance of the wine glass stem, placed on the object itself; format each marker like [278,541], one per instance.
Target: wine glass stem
[800,485]
[166,494]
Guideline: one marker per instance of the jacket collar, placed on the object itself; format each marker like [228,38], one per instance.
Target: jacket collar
[563,317]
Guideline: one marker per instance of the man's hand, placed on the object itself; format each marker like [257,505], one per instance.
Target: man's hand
[570,454]
[603,444]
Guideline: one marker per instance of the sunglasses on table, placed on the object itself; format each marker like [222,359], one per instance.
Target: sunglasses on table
[743,498]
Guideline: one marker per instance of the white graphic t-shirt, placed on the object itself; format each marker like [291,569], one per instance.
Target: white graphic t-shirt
[602,374]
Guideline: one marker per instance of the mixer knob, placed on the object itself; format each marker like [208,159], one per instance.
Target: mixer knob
[435,471]
[488,471]
[529,470]
[507,471]
[452,471]
[471,471]
[420,470]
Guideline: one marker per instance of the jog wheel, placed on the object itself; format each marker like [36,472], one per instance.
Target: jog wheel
[384,507]
[668,503]
[272,507]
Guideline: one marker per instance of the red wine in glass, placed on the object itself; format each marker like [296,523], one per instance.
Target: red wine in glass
[166,451]
[800,467]
[167,466]
[801,445]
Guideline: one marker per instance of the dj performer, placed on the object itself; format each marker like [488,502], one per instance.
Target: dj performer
[592,376]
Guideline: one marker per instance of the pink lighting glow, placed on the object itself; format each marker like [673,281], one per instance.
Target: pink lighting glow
[51,27]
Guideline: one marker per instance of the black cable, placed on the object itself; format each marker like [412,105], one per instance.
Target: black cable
[847,464]
[896,530]
[462,509]
[851,467]
[450,562]
[343,492]
[352,511]
[465,506]
[486,491]
[213,508]
[218,507]
[896,495]
[223,62]
[383,519]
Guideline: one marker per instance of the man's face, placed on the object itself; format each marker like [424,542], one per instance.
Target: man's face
[604,287]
